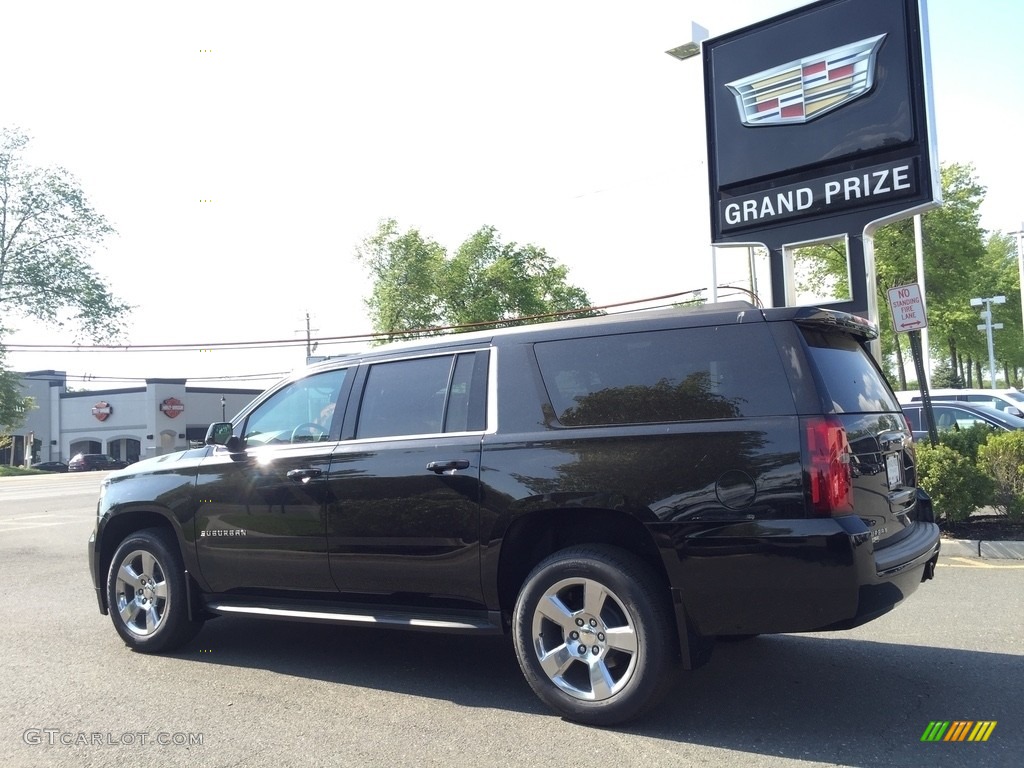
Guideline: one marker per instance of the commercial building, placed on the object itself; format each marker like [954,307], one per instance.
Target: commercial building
[134,423]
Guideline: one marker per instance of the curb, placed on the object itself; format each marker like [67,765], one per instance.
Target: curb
[987,550]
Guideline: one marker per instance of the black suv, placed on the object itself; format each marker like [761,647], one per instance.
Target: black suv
[614,492]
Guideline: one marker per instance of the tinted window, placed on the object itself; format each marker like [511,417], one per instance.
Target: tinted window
[914,417]
[951,417]
[301,412]
[466,402]
[424,396]
[995,402]
[850,376]
[678,375]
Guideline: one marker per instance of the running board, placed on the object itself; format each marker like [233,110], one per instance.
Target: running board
[488,622]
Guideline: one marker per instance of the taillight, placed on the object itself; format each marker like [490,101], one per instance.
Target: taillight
[908,427]
[827,463]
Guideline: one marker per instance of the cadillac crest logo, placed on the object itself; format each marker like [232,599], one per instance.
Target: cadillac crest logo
[102,410]
[807,88]
[172,407]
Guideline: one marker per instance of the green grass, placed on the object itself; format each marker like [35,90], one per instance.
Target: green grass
[18,471]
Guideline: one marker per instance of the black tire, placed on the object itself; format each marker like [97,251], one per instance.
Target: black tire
[146,594]
[594,635]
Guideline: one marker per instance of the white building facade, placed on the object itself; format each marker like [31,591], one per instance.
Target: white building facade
[129,424]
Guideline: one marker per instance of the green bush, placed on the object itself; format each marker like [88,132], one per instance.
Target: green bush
[955,483]
[967,441]
[1002,460]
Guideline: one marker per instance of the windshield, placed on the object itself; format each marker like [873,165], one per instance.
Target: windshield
[1011,421]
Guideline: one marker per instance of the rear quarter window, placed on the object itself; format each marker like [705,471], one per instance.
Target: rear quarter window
[850,377]
[692,374]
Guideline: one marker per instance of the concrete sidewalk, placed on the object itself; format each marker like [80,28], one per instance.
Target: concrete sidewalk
[995,550]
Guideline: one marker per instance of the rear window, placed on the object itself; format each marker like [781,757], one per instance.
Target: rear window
[848,373]
[691,374]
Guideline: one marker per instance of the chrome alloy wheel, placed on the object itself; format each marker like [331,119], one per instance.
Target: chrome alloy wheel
[585,639]
[141,593]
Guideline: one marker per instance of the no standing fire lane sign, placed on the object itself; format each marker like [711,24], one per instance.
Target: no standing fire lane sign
[907,308]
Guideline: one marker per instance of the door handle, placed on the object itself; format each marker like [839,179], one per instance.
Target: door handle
[303,475]
[440,467]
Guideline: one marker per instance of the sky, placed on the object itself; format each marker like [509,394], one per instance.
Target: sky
[243,150]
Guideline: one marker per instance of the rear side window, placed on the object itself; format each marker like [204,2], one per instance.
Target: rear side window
[914,417]
[690,374]
[424,396]
[850,377]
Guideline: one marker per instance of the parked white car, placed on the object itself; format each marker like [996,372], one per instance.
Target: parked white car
[1009,400]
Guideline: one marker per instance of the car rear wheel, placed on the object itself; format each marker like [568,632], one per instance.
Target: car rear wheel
[146,593]
[594,636]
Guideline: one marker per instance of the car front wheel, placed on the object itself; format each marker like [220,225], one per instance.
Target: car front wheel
[146,593]
[594,635]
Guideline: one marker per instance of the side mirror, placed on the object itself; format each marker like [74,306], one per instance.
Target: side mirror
[221,433]
[1015,411]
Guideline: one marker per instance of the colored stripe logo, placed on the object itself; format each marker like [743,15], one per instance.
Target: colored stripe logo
[959,730]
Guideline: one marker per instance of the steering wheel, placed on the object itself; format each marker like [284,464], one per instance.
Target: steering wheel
[316,433]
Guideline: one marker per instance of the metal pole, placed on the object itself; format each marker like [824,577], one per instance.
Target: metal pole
[1020,269]
[991,347]
[714,275]
[752,267]
[919,254]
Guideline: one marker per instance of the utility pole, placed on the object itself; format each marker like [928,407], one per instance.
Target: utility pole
[310,344]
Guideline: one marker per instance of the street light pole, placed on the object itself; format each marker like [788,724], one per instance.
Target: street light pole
[688,50]
[1020,267]
[988,327]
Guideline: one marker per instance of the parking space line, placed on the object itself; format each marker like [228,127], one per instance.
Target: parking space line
[968,562]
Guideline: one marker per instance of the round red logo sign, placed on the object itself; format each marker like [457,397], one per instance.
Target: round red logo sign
[172,407]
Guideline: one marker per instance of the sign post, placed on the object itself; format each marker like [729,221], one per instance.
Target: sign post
[820,128]
[908,316]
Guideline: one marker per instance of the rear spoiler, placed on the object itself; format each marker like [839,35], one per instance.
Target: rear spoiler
[824,319]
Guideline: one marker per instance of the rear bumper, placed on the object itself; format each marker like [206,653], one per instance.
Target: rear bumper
[896,572]
[791,575]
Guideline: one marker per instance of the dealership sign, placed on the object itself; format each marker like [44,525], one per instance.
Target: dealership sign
[807,88]
[172,407]
[102,410]
[820,126]
[829,194]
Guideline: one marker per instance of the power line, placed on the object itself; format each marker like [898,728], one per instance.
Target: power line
[90,378]
[332,340]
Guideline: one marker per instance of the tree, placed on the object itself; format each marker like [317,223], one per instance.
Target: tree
[957,268]
[405,269]
[954,247]
[14,407]
[488,280]
[47,232]
[417,285]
